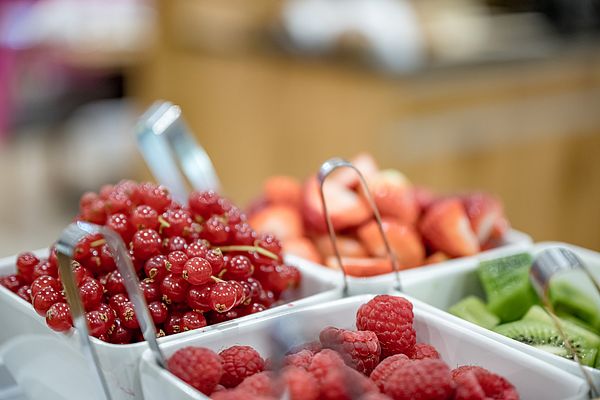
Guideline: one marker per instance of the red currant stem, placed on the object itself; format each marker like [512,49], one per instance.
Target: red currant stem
[217,279]
[257,249]
[223,272]
[199,219]
[97,243]
[163,224]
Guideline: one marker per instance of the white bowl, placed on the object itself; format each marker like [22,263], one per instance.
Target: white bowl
[442,288]
[456,344]
[386,282]
[119,362]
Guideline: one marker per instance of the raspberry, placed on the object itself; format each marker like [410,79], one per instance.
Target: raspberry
[197,366]
[360,350]
[424,350]
[391,319]
[300,384]
[300,359]
[238,394]
[420,379]
[238,363]
[313,347]
[493,385]
[467,387]
[375,396]
[386,367]
[261,383]
[324,361]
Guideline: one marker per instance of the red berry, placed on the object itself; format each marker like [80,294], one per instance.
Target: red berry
[158,311]
[106,259]
[198,298]
[266,298]
[44,298]
[494,386]
[216,260]
[173,324]
[150,289]
[114,283]
[214,317]
[223,297]
[300,384]
[197,271]
[145,244]
[176,223]
[242,233]
[94,212]
[26,263]
[204,204]
[117,301]
[391,318]
[126,314]
[45,281]
[24,292]
[300,359]
[174,289]
[386,367]
[239,267]
[269,242]
[177,260]
[255,308]
[144,217]
[87,199]
[424,350]
[80,273]
[324,361]
[174,243]
[119,334]
[215,230]
[91,293]
[157,197]
[121,224]
[157,267]
[198,367]
[192,320]
[468,387]
[116,201]
[98,323]
[359,349]
[420,379]
[45,268]
[260,384]
[198,248]
[240,293]
[58,317]
[238,363]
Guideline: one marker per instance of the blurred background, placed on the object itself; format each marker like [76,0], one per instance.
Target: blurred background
[502,95]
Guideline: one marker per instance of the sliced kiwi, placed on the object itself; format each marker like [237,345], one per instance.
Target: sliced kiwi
[473,309]
[567,298]
[546,337]
[507,287]
[568,317]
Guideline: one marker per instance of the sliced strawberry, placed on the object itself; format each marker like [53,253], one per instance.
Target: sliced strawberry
[302,247]
[437,257]
[283,189]
[284,222]
[446,228]
[424,197]
[501,226]
[361,267]
[346,208]
[394,196]
[364,162]
[403,240]
[347,246]
[483,211]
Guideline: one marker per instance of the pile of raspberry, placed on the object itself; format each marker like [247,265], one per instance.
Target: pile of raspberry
[198,264]
[381,360]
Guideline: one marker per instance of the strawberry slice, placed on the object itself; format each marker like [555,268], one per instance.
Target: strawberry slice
[364,162]
[283,189]
[361,267]
[403,240]
[436,257]
[446,228]
[394,196]
[424,197]
[282,221]
[347,246]
[302,247]
[501,226]
[483,211]
[346,208]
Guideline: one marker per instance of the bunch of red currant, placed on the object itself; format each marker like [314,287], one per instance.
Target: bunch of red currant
[198,264]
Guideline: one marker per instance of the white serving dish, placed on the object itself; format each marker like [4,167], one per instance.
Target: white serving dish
[119,362]
[442,288]
[386,282]
[457,345]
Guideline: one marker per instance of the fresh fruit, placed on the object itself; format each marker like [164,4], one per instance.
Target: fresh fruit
[359,349]
[302,247]
[393,196]
[420,379]
[445,226]
[282,190]
[198,367]
[347,246]
[507,286]
[423,351]
[474,310]
[361,267]
[58,317]
[569,299]
[281,220]
[386,367]
[492,385]
[239,362]
[483,211]
[403,240]
[364,162]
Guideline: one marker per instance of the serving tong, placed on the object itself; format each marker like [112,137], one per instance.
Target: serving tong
[547,265]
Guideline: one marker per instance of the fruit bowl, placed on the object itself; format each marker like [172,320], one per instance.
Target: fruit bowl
[456,344]
[443,288]
[119,362]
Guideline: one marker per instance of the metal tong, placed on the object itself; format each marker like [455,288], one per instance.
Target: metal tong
[65,247]
[168,147]
[326,169]
[547,265]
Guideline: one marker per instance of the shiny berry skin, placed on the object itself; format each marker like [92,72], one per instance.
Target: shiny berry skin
[256,307]
[120,223]
[176,223]
[91,293]
[173,324]
[269,242]
[87,199]
[204,204]
[157,197]
[117,301]
[24,292]
[145,244]
[214,317]
[247,293]
[266,298]
[44,299]
[158,311]
[144,217]
[198,248]
[197,271]
[114,283]
[198,298]
[58,317]
[150,289]
[107,262]
[45,268]
[26,263]
[255,288]
[215,230]
[192,320]
[45,281]
[118,334]
[223,297]
[116,201]
[173,289]
[126,314]
[239,267]
[95,212]
[83,248]
[177,260]
[243,234]
[216,260]
[98,323]
[240,293]
[157,267]
[80,273]
[234,216]
[173,243]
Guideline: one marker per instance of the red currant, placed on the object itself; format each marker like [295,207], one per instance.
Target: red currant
[44,298]
[91,293]
[126,314]
[157,197]
[107,262]
[119,334]
[239,292]
[58,317]
[44,268]
[176,223]
[157,267]
[198,298]
[98,323]
[197,271]
[173,243]
[269,242]
[26,263]
[174,289]
[131,190]
[116,201]
[114,283]
[158,311]
[120,223]
[215,230]
[173,324]
[255,288]
[105,191]
[117,301]
[198,248]
[192,320]
[239,267]
[204,204]
[145,244]
[45,281]
[243,234]
[266,298]
[256,307]
[216,317]
[177,260]
[150,289]
[24,292]
[95,212]
[216,260]
[144,217]
[247,292]
[87,199]
[234,216]
[11,282]
[80,273]
[223,297]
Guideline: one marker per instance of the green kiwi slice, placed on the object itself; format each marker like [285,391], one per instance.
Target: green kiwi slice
[507,287]
[569,299]
[474,310]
